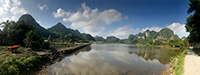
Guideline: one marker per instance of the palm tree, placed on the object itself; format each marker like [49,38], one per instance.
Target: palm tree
[3,25]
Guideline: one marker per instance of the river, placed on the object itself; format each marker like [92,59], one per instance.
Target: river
[115,59]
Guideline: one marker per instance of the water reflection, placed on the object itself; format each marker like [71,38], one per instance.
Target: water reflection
[111,59]
[163,55]
[70,53]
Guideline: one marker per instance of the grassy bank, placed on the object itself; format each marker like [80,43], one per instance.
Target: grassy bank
[178,63]
[25,61]
[20,63]
[61,45]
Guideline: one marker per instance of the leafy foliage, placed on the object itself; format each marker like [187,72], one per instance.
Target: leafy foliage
[192,22]
[16,65]
[16,32]
[33,40]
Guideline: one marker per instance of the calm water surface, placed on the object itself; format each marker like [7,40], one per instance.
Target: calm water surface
[114,59]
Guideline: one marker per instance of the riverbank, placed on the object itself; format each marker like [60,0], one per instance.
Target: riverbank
[177,66]
[31,62]
[49,62]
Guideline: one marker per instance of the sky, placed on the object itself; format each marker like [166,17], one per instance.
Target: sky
[102,17]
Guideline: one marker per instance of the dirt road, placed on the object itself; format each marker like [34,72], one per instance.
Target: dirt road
[192,64]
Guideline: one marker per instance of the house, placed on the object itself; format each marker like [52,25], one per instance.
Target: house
[2,38]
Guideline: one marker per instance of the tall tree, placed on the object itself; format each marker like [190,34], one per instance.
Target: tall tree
[33,40]
[7,29]
[192,22]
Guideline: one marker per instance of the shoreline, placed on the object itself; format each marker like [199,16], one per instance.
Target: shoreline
[60,52]
[174,63]
[50,58]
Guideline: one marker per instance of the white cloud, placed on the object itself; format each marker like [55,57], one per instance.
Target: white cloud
[155,28]
[42,7]
[5,18]
[60,13]
[91,21]
[111,15]
[124,32]
[11,6]
[126,17]
[16,10]
[5,6]
[13,18]
[178,29]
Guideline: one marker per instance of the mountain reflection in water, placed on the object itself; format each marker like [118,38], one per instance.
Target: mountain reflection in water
[114,59]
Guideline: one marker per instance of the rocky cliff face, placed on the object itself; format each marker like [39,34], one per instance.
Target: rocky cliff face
[152,36]
[164,34]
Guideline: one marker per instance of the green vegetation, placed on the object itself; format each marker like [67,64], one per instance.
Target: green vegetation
[179,65]
[192,22]
[29,20]
[99,38]
[68,35]
[112,39]
[165,33]
[55,46]
[33,40]
[151,37]
[22,34]
[17,64]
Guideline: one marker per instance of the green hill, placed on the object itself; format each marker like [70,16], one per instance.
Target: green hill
[148,36]
[99,38]
[112,39]
[61,30]
[164,34]
[28,19]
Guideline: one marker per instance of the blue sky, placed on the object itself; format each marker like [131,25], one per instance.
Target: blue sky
[102,17]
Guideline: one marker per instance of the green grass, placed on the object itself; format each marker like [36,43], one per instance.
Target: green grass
[180,63]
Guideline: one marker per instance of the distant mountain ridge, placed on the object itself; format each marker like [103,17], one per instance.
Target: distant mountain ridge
[152,36]
[60,31]
[60,28]
[56,31]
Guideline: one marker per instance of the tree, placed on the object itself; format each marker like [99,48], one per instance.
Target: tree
[182,45]
[6,27]
[49,38]
[192,22]
[33,40]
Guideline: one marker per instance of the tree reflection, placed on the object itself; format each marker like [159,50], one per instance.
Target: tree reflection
[150,53]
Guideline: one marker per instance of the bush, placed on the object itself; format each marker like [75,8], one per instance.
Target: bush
[33,40]
[16,65]
[46,45]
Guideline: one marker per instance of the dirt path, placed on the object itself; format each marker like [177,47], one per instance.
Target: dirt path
[191,63]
